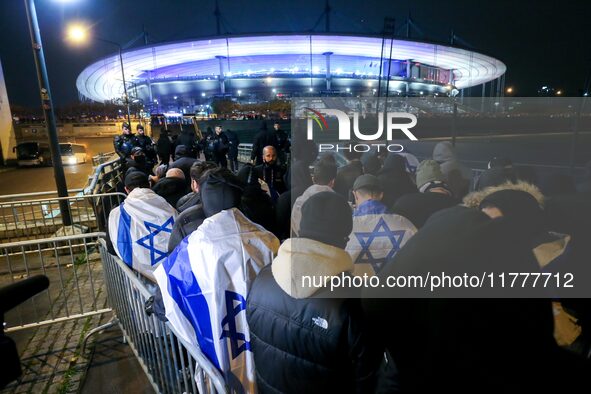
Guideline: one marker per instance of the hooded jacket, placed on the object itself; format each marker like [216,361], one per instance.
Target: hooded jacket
[172,189]
[216,196]
[303,344]
[184,161]
[187,201]
[457,176]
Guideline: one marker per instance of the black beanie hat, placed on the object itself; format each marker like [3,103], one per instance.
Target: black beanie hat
[327,218]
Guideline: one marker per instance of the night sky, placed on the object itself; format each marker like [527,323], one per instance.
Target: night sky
[542,42]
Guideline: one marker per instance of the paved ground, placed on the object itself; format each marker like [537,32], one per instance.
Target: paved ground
[51,355]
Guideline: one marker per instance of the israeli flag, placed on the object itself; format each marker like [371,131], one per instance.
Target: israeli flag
[205,283]
[140,228]
[375,239]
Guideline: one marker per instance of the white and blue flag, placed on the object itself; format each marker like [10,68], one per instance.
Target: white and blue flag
[205,283]
[140,228]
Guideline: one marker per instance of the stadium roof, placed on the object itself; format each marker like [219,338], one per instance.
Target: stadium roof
[101,81]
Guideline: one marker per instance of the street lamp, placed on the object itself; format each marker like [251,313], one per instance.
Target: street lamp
[47,105]
[78,33]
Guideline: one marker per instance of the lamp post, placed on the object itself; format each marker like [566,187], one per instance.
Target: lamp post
[77,34]
[122,75]
[47,104]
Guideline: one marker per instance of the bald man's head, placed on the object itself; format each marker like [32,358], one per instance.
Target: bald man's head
[269,154]
[175,173]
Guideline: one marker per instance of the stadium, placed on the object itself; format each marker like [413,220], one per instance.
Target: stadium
[183,76]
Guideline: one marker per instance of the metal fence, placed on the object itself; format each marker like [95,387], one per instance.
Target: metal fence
[107,176]
[170,364]
[41,218]
[244,151]
[73,266]
[102,158]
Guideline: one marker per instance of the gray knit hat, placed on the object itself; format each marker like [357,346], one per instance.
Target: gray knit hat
[429,171]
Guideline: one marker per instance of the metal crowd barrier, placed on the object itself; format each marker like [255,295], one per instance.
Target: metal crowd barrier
[244,151]
[41,218]
[102,158]
[73,266]
[170,364]
[106,177]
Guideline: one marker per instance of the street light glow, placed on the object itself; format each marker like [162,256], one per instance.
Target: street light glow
[509,90]
[77,33]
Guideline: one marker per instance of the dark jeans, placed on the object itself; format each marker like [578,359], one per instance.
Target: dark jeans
[221,160]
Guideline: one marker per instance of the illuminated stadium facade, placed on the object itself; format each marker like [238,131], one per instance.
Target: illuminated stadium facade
[184,75]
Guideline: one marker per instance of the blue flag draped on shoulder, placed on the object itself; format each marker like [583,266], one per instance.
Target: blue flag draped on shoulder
[140,229]
[204,284]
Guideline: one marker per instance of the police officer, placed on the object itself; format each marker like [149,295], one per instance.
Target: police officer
[146,143]
[221,145]
[125,142]
[283,144]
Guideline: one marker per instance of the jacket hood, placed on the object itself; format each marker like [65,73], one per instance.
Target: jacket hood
[217,194]
[444,151]
[301,257]
[474,199]
[167,186]
[180,151]
[394,163]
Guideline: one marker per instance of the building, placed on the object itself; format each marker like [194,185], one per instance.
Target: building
[184,76]
[7,138]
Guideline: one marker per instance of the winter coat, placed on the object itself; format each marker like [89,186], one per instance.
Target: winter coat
[189,140]
[147,145]
[172,189]
[233,143]
[187,201]
[376,236]
[464,345]
[216,196]
[418,207]
[258,207]
[457,176]
[188,221]
[164,146]
[273,176]
[303,344]
[123,144]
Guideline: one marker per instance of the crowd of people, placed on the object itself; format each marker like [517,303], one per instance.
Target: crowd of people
[270,224]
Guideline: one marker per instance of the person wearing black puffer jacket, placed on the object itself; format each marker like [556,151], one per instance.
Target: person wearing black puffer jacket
[303,343]
[219,190]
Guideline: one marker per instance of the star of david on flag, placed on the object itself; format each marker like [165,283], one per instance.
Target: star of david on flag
[381,230]
[153,230]
[232,333]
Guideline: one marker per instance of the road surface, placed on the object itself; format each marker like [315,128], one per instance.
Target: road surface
[40,179]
